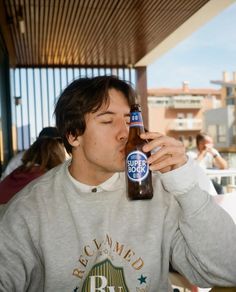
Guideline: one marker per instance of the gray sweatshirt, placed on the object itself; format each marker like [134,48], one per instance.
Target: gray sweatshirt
[60,235]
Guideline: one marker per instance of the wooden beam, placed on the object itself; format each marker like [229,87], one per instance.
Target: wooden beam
[6,33]
[141,87]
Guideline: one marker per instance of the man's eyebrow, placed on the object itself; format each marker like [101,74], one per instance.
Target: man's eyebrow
[105,113]
[110,113]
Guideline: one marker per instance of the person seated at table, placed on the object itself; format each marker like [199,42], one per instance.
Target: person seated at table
[208,157]
[44,154]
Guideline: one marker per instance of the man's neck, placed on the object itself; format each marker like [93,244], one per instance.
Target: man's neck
[87,175]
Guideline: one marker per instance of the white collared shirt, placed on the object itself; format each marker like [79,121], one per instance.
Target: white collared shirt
[109,185]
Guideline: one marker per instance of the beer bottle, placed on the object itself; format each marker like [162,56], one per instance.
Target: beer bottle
[138,174]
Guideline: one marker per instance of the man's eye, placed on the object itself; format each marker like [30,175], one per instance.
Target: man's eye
[106,122]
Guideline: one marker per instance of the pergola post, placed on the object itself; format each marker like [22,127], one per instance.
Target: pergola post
[141,87]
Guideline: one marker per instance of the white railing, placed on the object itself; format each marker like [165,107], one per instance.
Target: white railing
[229,174]
[186,101]
[185,124]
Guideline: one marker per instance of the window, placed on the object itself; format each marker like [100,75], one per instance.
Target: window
[221,137]
[181,139]
[229,91]
[230,101]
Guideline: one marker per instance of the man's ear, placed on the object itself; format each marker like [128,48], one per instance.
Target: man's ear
[73,141]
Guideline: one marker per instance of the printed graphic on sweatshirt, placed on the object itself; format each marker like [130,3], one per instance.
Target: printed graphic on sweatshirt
[104,275]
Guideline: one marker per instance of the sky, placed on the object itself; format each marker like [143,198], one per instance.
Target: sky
[201,57]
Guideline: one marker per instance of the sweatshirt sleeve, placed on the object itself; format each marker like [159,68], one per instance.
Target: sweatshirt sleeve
[203,248]
[20,265]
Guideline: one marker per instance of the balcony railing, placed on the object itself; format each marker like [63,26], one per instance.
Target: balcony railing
[186,102]
[185,125]
[177,102]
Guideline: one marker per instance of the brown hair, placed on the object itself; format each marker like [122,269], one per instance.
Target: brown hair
[200,137]
[82,96]
[47,152]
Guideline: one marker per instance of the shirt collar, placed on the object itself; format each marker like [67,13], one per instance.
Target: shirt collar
[113,183]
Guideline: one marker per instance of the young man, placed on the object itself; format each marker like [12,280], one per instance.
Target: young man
[75,230]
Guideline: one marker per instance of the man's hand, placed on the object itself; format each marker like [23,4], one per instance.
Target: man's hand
[211,149]
[170,154]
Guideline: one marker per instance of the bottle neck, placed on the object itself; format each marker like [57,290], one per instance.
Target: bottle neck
[136,119]
[136,122]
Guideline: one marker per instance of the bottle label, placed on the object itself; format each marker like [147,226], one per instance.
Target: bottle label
[136,119]
[137,166]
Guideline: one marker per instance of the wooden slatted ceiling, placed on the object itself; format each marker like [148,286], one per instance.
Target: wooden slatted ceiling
[92,32]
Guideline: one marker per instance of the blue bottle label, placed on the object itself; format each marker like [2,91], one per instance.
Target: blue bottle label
[136,119]
[137,166]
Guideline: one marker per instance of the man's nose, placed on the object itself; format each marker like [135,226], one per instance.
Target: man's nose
[123,132]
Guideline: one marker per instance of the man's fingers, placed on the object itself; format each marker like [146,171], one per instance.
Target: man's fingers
[167,162]
[151,135]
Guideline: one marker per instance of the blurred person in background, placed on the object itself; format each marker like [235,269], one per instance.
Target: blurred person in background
[208,157]
[45,153]
[16,160]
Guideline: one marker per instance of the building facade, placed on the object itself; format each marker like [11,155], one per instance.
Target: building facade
[179,112]
[220,123]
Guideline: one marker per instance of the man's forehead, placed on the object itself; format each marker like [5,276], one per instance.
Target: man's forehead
[109,109]
[116,101]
